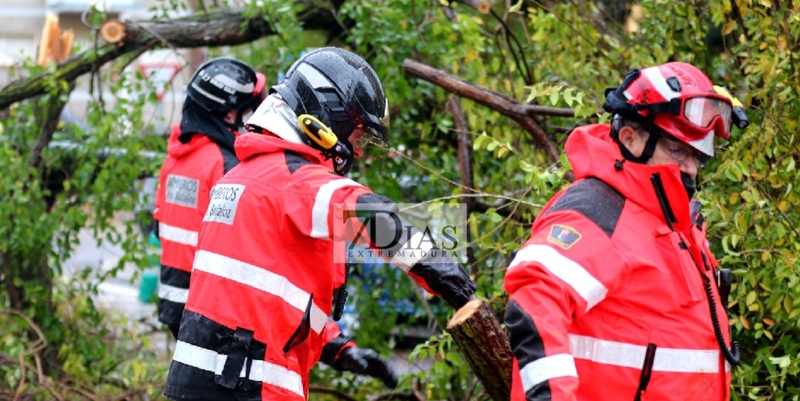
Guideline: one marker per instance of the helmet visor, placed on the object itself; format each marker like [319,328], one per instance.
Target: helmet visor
[703,111]
[371,135]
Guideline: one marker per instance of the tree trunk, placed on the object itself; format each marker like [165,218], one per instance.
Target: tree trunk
[485,346]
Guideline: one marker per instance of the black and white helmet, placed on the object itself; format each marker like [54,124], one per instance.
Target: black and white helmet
[340,89]
[222,84]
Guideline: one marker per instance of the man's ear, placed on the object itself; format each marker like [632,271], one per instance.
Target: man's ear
[632,140]
[626,136]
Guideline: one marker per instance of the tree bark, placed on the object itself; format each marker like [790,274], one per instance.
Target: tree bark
[220,27]
[485,346]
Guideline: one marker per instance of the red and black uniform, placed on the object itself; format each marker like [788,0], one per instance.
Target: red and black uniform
[264,275]
[195,161]
[606,279]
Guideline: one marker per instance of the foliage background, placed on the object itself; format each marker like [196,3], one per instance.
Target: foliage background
[555,53]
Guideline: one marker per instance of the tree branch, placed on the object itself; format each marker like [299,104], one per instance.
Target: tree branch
[220,27]
[494,100]
[464,164]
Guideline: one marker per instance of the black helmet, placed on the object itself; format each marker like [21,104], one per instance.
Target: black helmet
[339,88]
[222,84]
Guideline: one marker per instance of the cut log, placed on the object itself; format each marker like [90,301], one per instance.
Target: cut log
[485,346]
[112,31]
[483,6]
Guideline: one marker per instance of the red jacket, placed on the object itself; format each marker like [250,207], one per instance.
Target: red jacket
[185,180]
[263,276]
[602,276]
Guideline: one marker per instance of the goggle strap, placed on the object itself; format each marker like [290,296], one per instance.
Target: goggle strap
[647,153]
[673,107]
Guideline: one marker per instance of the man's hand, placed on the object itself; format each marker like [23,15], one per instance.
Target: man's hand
[366,362]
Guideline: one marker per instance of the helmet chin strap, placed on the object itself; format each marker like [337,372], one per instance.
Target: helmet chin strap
[690,185]
[647,153]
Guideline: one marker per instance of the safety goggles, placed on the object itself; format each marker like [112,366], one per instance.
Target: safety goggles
[701,114]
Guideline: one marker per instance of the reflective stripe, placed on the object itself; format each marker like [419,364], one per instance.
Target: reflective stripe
[591,290]
[632,356]
[233,84]
[547,368]
[322,206]
[208,95]
[411,252]
[177,234]
[261,371]
[172,293]
[659,82]
[261,279]
[313,76]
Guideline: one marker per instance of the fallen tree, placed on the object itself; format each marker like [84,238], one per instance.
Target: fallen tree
[214,28]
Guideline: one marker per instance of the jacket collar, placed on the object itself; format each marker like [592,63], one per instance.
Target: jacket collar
[251,144]
[178,149]
[593,153]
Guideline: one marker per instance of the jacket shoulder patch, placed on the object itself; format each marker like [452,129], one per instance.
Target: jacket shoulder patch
[563,236]
[182,190]
[594,199]
[224,201]
[294,161]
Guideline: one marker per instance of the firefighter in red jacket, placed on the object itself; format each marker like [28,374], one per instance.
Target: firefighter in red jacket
[200,150]
[616,295]
[264,279]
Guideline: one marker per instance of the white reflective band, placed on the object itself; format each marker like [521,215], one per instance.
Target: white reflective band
[232,83]
[177,234]
[411,252]
[172,293]
[632,356]
[322,206]
[258,278]
[659,82]
[261,371]
[314,77]
[591,290]
[547,368]
[208,95]
[705,145]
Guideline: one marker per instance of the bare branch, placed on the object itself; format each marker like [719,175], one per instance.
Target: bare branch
[494,100]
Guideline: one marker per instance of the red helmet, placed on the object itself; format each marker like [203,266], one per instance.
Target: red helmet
[677,98]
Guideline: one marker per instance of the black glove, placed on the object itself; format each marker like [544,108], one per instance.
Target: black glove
[446,277]
[364,361]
